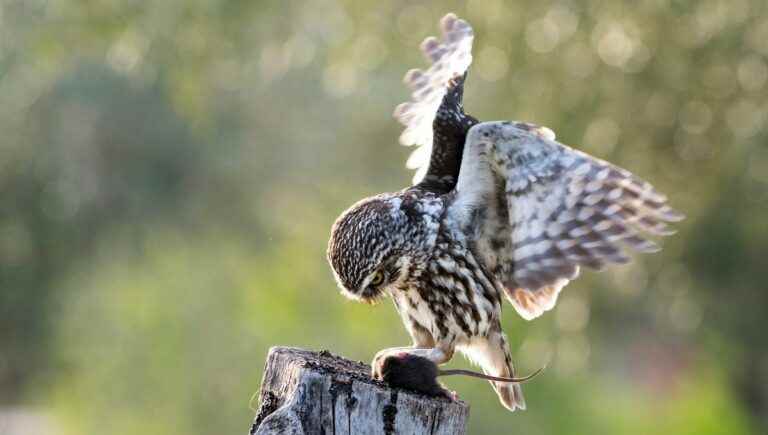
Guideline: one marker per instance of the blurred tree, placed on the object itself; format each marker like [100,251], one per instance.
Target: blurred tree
[87,172]
[170,169]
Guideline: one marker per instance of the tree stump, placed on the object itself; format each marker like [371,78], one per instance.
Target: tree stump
[305,392]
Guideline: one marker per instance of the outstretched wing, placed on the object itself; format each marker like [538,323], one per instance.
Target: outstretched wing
[565,209]
[450,58]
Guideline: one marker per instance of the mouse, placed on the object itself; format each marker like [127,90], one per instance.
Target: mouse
[419,374]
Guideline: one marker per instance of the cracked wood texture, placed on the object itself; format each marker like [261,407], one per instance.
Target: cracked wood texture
[305,392]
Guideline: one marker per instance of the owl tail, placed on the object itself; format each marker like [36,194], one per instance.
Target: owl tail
[510,395]
[492,355]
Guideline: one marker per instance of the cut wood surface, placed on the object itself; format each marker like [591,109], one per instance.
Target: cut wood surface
[305,392]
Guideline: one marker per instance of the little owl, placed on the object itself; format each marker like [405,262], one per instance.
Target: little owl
[498,210]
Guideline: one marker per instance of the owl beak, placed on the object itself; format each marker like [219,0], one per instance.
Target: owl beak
[371,296]
[367,295]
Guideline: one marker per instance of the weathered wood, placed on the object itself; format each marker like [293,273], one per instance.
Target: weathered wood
[306,392]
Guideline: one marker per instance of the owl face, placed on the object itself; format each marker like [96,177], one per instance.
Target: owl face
[365,247]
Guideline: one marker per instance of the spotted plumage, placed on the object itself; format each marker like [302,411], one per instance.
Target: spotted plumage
[500,210]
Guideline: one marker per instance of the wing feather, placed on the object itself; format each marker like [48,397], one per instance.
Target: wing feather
[449,58]
[566,210]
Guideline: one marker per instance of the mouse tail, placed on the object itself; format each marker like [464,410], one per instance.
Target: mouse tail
[492,355]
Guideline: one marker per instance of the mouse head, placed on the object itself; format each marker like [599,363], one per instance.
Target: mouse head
[399,366]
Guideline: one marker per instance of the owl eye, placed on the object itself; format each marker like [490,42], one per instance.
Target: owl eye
[377,279]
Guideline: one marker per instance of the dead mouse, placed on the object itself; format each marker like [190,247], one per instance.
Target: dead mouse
[416,373]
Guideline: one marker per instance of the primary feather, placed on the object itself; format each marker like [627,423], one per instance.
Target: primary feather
[565,209]
[449,58]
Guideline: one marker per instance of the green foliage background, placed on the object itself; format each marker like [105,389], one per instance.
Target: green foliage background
[170,169]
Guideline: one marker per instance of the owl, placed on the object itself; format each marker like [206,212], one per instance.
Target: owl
[499,211]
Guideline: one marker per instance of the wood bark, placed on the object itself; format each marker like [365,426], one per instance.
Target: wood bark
[305,392]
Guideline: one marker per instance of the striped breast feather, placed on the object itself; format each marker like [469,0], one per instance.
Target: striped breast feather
[568,210]
[449,58]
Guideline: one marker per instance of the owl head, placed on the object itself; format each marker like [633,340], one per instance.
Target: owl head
[367,246]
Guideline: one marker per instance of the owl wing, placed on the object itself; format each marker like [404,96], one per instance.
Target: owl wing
[564,209]
[449,60]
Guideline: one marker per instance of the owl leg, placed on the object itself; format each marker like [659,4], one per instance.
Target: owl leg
[492,354]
